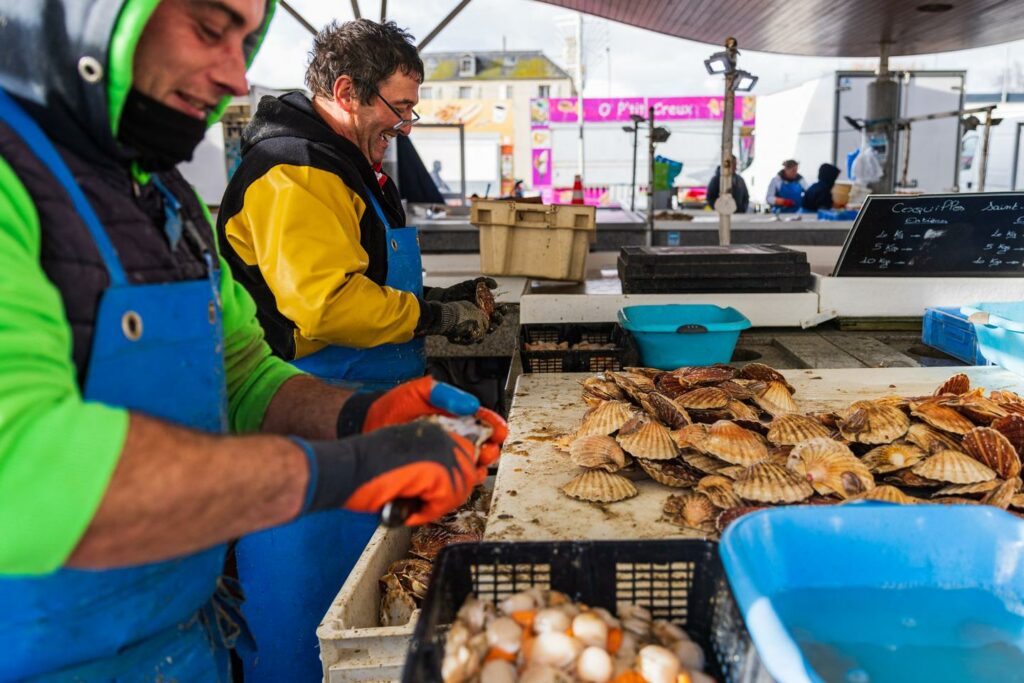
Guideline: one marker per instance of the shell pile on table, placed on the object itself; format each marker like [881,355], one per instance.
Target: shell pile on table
[404,586]
[732,440]
[541,636]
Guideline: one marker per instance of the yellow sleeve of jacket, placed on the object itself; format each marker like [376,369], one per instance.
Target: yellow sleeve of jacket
[300,226]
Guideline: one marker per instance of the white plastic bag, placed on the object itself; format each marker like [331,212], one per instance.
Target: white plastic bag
[866,167]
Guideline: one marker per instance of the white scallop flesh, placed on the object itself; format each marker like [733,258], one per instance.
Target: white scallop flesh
[658,664]
[668,633]
[590,629]
[606,617]
[505,634]
[542,674]
[594,665]
[518,602]
[498,671]
[551,620]
[555,649]
[690,654]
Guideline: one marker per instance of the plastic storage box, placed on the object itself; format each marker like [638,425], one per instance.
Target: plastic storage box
[534,240]
[949,331]
[674,335]
[848,548]
[836,214]
[623,354]
[1000,330]
[678,580]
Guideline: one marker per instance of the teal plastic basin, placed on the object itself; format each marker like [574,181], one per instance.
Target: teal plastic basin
[1000,329]
[674,335]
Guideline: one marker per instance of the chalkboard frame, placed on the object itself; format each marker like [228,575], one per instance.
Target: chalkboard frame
[848,266]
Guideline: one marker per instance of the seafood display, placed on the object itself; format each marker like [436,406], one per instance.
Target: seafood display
[541,635]
[725,441]
[404,585]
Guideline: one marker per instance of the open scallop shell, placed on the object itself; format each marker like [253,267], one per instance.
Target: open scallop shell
[427,541]
[766,482]
[691,436]
[675,473]
[957,384]
[648,440]
[603,389]
[907,478]
[930,440]
[872,422]
[736,391]
[696,375]
[1012,427]
[968,489]
[703,398]
[665,410]
[691,510]
[598,486]
[892,457]
[792,428]
[978,408]
[941,417]
[597,451]
[701,461]
[763,373]
[720,490]
[606,418]
[740,411]
[775,399]
[728,441]
[887,494]
[990,447]
[830,471]
[953,467]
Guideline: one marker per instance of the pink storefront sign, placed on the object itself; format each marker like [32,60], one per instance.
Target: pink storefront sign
[615,109]
[541,167]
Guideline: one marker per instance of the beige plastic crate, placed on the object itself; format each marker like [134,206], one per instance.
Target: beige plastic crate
[353,646]
[534,240]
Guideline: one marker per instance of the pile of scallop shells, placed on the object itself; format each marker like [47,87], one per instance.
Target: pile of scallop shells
[732,440]
[541,636]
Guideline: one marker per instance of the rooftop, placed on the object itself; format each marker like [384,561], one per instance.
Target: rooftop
[490,66]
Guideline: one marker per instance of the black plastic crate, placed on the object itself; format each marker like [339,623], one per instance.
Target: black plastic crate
[709,286]
[678,580]
[624,354]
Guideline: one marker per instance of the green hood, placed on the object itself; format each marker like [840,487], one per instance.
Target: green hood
[46,45]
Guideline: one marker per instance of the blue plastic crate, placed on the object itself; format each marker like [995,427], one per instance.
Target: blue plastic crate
[1000,329]
[958,555]
[673,335]
[836,214]
[949,331]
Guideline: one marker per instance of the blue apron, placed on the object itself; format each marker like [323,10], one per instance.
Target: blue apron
[156,349]
[790,189]
[290,574]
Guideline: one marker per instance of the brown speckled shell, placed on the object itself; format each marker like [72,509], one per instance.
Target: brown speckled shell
[765,482]
[1012,427]
[990,447]
[674,473]
[953,467]
[598,486]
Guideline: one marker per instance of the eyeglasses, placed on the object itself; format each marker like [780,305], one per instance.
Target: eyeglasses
[402,121]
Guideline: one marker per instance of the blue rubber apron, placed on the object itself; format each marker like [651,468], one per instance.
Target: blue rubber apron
[156,349]
[290,574]
[792,190]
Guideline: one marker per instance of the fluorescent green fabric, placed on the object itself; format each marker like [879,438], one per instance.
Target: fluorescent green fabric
[133,18]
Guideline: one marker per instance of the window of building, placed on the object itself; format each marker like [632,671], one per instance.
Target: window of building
[543,91]
[465,92]
[467,66]
[426,92]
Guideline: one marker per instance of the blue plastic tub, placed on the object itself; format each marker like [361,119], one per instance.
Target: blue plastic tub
[945,572]
[1000,330]
[674,335]
[948,330]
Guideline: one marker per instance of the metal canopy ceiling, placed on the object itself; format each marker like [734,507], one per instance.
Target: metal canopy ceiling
[825,28]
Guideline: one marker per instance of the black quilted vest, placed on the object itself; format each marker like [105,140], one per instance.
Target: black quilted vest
[133,216]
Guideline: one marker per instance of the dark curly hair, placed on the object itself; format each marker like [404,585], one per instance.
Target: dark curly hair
[365,51]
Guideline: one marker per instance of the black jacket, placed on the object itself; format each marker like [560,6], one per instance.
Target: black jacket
[739,191]
[819,195]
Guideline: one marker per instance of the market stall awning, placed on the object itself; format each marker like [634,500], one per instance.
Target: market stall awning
[826,28]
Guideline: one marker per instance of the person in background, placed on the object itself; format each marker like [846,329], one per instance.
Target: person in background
[435,175]
[786,190]
[517,189]
[739,189]
[819,195]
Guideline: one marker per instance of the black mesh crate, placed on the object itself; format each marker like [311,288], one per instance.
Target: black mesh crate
[678,580]
[624,354]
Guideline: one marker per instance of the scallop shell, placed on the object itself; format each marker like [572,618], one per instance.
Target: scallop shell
[763,373]
[691,436]
[792,428]
[597,452]
[603,389]
[648,440]
[909,479]
[606,418]
[979,408]
[634,386]
[891,457]
[955,500]
[413,575]
[674,473]
[829,470]
[736,391]
[1012,427]
[957,384]
[734,444]
[820,446]
[727,517]
[464,521]
[776,399]
[701,461]
[738,410]
[704,374]
[928,439]
[720,490]
[598,486]
[691,510]
[671,386]
[953,467]
[427,541]
[650,373]
[942,417]
[873,423]
[1002,495]
[703,398]
[766,482]
[967,489]
[665,410]
[731,472]
[887,494]
[1017,501]
[990,447]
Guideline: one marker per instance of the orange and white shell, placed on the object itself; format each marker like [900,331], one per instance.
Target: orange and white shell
[597,452]
[929,439]
[775,399]
[691,510]
[606,418]
[953,467]
[941,417]
[598,486]
[792,428]
[831,472]
[720,490]
[891,457]
[647,439]
[767,482]
[872,422]
[957,384]
[990,447]
[729,442]
[703,398]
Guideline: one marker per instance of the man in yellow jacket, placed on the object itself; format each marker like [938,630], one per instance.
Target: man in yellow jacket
[317,233]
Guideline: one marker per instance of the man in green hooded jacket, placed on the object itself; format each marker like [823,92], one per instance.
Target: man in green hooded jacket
[127,353]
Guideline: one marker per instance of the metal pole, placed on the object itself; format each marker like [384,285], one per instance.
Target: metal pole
[906,156]
[983,169]
[383,10]
[462,160]
[650,176]
[728,206]
[298,17]
[632,196]
[355,9]
[579,86]
[440,27]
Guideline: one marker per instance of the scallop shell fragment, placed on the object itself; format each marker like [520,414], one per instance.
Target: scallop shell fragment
[1002,495]
[892,457]
[598,486]
[597,452]
[957,384]
[968,489]
[928,439]
[603,389]
[606,418]
[648,440]
[941,417]
[979,408]
[872,422]
[691,510]
[701,461]
[1012,427]
[766,482]
[729,442]
[792,428]
[887,494]
[775,399]
[720,490]
[674,473]
[427,541]
[703,398]
[953,467]
[763,373]
[909,479]
[990,447]
[691,436]
[697,375]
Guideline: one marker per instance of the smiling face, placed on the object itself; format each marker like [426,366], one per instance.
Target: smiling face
[190,55]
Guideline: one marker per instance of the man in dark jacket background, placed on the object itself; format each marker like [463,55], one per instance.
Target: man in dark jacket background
[819,195]
[739,189]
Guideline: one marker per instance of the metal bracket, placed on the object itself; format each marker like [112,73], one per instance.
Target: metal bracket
[815,320]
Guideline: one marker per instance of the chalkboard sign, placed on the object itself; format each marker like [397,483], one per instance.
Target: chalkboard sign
[939,235]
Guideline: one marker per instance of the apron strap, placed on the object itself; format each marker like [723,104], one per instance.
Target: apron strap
[33,136]
[378,210]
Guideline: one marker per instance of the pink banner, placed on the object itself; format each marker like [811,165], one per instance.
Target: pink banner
[541,167]
[600,110]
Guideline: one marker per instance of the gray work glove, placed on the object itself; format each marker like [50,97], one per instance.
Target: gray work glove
[461,322]
[463,291]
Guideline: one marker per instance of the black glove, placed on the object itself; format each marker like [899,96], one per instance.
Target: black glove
[463,291]
[460,321]
[416,460]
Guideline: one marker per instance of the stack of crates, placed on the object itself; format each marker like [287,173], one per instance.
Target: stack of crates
[534,240]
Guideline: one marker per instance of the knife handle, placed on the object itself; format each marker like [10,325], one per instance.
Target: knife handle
[396,512]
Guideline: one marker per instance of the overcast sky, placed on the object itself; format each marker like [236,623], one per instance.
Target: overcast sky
[641,63]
